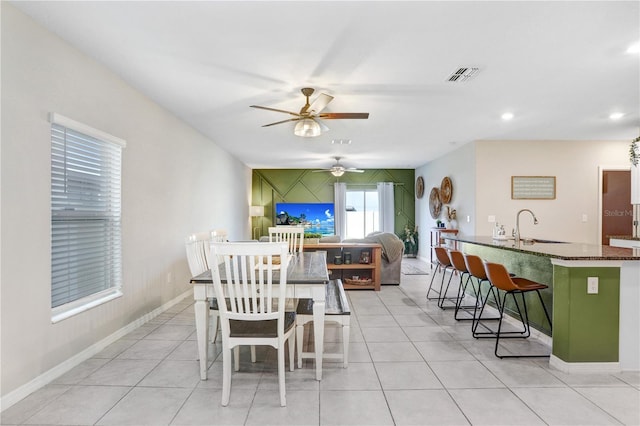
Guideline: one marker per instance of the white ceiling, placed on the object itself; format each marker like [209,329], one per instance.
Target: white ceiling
[560,67]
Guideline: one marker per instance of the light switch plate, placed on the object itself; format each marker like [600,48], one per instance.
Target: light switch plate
[592,285]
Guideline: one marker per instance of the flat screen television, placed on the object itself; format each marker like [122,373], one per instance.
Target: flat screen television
[316,218]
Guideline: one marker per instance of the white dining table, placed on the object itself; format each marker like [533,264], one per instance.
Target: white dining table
[307,277]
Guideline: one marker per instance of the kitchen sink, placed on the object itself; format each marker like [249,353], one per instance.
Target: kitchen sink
[537,240]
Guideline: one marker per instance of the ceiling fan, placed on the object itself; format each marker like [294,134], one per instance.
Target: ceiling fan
[308,119]
[338,169]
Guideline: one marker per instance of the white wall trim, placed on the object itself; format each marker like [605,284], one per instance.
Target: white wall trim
[47,377]
[587,263]
[584,367]
[85,128]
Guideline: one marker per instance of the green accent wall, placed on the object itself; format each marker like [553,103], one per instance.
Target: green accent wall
[271,186]
[586,325]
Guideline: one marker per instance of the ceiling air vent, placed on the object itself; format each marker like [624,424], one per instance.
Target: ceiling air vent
[463,74]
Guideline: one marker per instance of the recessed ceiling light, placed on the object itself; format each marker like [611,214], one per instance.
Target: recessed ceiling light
[616,115]
[634,48]
[507,116]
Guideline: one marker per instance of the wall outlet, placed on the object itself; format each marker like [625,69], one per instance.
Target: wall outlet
[584,217]
[468,219]
[592,285]
[491,218]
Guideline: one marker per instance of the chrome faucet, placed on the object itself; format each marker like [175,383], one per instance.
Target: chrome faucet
[516,232]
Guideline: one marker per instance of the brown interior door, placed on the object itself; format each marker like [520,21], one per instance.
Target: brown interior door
[617,212]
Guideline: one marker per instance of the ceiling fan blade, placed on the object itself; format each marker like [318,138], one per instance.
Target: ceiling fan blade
[319,103]
[275,109]
[320,170]
[343,115]
[354,170]
[280,122]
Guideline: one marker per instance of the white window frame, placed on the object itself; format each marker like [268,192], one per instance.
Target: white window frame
[104,213]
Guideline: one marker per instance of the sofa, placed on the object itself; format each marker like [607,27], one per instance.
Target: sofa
[392,252]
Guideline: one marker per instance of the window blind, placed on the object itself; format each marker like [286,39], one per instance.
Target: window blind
[85,212]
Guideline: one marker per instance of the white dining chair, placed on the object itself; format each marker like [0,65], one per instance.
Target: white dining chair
[293,235]
[198,246]
[256,312]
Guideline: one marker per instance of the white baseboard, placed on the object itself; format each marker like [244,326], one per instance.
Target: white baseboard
[47,377]
[584,367]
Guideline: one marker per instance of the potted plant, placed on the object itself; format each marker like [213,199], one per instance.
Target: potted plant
[410,239]
[634,151]
[634,158]
[312,238]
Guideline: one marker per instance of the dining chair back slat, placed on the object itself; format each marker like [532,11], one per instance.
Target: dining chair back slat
[293,235]
[197,246]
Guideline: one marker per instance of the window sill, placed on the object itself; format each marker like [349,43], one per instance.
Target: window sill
[68,310]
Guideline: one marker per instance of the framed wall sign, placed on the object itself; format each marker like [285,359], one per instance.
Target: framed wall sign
[533,187]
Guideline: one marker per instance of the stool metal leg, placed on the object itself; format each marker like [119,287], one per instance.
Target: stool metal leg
[478,320]
[438,268]
[462,290]
[525,322]
[443,292]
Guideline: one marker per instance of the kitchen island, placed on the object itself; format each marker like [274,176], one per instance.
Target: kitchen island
[594,327]
[624,241]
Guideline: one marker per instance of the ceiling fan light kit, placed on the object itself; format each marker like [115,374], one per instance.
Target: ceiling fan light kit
[308,124]
[307,128]
[338,169]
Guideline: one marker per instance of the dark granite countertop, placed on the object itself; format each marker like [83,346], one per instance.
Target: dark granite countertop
[623,237]
[564,251]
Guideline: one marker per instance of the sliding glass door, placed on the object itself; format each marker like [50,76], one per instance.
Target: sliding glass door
[362,212]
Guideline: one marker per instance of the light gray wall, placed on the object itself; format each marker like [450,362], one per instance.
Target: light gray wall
[175,181]
[460,167]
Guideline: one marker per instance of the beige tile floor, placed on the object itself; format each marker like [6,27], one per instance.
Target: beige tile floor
[410,363]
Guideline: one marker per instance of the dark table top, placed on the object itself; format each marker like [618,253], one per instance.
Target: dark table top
[304,268]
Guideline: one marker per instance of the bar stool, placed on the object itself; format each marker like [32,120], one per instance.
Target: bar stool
[457,260]
[443,264]
[500,279]
[475,266]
